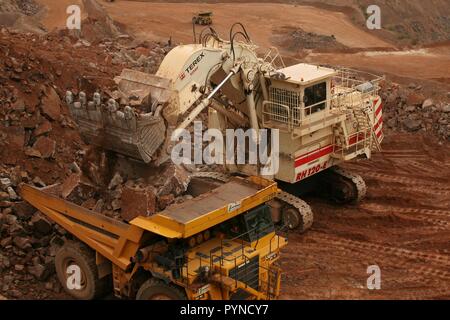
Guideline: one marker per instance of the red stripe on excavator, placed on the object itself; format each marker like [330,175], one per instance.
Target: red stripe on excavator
[313,155]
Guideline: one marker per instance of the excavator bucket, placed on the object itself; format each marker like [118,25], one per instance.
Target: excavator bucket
[140,86]
[136,130]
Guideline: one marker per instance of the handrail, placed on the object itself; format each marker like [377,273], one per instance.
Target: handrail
[218,260]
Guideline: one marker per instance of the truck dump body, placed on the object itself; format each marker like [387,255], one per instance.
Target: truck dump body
[214,207]
[231,192]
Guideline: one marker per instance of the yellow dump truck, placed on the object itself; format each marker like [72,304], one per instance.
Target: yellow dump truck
[219,245]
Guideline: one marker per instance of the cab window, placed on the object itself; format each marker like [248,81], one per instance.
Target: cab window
[252,225]
[315,98]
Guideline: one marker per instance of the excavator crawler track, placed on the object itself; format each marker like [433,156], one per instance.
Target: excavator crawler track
[355,179]
[305,211]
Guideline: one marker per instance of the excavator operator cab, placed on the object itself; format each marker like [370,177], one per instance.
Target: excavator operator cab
[302,94]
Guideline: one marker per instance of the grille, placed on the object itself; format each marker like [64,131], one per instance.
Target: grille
[288,98]
[247,273]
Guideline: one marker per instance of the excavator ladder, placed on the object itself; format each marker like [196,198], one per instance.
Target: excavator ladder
[362,117]
[348,145]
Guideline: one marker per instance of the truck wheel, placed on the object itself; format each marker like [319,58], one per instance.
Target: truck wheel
[154,289]
[77,271]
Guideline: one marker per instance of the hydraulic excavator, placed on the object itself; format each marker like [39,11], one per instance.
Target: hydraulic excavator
[324,116]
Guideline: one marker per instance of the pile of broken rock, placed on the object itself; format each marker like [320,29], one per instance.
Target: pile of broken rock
[408,109]
[40,145]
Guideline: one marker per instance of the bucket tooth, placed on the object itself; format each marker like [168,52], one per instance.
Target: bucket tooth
[69,97]
[120,115]
[129,113]
[82,98]
[97,98]
[112,105]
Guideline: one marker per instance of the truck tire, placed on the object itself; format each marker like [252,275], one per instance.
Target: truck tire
[87,285]
[154,289]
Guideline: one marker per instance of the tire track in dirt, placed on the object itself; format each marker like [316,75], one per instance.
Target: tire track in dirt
[393,256]
[430,190]
[388,209]
[385,177]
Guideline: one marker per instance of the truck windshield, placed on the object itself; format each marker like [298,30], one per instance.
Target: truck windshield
[252,225]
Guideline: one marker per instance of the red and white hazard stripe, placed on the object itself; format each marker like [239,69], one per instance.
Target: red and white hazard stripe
[378,119]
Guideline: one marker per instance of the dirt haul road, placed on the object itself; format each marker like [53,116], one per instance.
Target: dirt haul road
[430,64]
[403,227]
[163,20]
[160,21]
[174,19]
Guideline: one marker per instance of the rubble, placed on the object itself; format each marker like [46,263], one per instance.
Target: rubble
[412,125]
[23,209]
[297,39]
[38,182]
[427,103]
[51,104]
[136,200]
[39,271]
[12,194]
[69,185]
[41,225]
[446,108]
[5,183]
[44,128]
[22,242]
[4,262]
[415,99]
[39,145]
[408,109]
[44,147]
[173,180]
[115,181]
